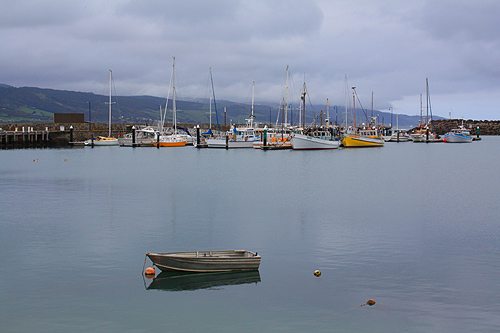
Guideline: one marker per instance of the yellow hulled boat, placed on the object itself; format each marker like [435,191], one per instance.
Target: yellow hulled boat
[364,138]
[102,141]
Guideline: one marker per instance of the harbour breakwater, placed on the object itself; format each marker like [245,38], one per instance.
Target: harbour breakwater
[485,127]
[61,134]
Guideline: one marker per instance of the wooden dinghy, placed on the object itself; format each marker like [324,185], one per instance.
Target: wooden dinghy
[206,261]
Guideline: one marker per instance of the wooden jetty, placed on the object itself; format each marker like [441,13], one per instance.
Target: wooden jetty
[26,137]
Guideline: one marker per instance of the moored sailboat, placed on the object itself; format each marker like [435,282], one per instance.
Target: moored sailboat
[103,140]
[424,132]
[175,139]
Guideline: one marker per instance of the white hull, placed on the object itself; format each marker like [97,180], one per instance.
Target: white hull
[221,143]
[305,142]
[102,143]
[422,137]
[139,142]
[457,138]
[418,137]
[402,138]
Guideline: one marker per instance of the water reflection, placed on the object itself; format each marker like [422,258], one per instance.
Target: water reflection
[178,281]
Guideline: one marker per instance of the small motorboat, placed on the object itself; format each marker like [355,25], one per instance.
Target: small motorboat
[206,261]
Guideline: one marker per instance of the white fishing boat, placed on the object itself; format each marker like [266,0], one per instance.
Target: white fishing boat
[143,137]
[458,135]
[397,135]
[237,137]
[315,140]
[400,136]
[102,140]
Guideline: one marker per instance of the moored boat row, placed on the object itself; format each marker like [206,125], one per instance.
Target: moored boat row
[274,138]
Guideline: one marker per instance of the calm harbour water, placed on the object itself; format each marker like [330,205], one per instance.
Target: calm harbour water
[413,226]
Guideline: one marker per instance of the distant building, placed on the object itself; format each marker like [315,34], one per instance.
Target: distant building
[69,118]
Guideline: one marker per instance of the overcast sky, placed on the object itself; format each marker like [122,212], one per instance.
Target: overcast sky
[389,47]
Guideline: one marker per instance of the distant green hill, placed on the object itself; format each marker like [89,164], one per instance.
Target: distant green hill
[30,105]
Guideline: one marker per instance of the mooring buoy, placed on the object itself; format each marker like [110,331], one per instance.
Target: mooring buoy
[149,271]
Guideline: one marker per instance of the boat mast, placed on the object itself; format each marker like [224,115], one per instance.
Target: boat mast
[327,111]
[210,105]
[109,103]
[420,122]
[354,108]
[346,87]
[304,103]
[372,106]
[429,108]
[253,97]
[215,103]
[427,99]
[173,98]
[286,98]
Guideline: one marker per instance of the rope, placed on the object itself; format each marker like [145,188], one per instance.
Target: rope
[369,302]
[144,266]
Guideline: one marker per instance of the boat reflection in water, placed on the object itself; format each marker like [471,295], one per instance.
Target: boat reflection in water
[179,281]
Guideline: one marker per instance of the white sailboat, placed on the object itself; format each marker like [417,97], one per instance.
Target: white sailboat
[424,133]
[103,140]
[175,139]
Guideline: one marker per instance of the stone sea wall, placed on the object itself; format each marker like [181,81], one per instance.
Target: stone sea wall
[486,127]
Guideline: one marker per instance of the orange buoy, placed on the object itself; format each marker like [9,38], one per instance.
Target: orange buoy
[370,302]
[317,273]
[149,271]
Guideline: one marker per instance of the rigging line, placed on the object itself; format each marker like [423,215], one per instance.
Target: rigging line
[215,105]
[310,103]
[164,118]
[430,108]
[360,105]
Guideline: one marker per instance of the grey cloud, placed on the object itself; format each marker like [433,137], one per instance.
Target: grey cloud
[385,46]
